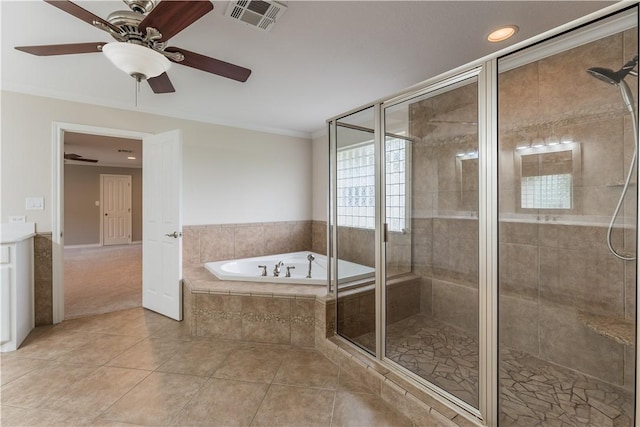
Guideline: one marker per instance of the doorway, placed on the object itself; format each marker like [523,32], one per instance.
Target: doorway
[98,272]
[102,217]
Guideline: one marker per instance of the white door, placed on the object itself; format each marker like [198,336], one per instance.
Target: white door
[162,223]
[115,195]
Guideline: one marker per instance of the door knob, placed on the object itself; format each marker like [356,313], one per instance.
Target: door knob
[175,235]
[106,214]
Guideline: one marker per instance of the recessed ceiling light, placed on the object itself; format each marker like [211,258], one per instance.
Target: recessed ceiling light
[131,158]
[502,33]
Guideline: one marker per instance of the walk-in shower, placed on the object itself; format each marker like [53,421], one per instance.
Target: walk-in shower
[616,78]
[484,201]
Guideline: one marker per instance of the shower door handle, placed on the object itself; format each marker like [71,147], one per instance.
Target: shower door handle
[175,235]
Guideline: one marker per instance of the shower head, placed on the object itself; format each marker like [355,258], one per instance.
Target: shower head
[604,74]
[613,77]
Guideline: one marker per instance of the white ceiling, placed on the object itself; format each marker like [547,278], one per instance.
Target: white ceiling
[320,59]
[109,151]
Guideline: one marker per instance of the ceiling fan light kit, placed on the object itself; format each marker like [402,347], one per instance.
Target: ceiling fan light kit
[137,61]
[141,35]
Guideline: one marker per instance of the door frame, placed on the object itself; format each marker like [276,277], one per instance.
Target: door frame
[129,222]
[57,200]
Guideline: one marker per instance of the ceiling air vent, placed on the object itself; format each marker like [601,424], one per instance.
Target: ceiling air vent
[256,13]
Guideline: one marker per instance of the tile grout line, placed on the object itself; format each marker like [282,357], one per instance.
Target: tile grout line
[335,397]
[269,388]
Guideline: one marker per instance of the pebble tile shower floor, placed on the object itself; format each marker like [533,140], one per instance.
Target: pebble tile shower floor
[135,367]
[533,393]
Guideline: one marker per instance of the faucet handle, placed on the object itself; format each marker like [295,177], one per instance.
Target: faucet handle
[289,268]
[264,269]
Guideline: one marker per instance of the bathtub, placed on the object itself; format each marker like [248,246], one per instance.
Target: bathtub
[247,269]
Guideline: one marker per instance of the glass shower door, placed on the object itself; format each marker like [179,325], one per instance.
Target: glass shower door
[567,234]
[431,251]
[355,228]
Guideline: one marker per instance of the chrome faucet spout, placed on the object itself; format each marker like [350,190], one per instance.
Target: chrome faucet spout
[276,270]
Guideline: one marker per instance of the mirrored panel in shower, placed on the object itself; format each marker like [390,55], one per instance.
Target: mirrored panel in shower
[567,233]
[431,252]
[355,207]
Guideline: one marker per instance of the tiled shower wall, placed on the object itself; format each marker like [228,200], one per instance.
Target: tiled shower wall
[556,269]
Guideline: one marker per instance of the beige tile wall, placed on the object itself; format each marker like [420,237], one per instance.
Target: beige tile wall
[218,242]
[43,279]
[356,313]
[550,273]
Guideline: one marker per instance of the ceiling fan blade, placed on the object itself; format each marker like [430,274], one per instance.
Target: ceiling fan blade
[78,158]
[171,17]
[62,49]
[80,13]
[212,65]
[161,84]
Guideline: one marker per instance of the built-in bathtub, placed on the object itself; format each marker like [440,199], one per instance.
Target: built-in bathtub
[249,270]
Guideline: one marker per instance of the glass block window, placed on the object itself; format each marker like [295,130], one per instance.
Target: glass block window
[546,191]
[356,185]
[396,183]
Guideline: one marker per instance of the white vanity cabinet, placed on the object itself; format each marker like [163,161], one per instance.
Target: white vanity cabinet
[17,317]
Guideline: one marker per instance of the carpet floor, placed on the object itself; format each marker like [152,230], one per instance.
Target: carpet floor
[102,280]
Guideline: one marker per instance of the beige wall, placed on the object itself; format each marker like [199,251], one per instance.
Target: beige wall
[230,175]
[320,176]
[82,190]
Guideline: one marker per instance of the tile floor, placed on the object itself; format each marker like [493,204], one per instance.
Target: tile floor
[533,393]
[135,367]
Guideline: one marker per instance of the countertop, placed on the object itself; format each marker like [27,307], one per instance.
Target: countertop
[16,232]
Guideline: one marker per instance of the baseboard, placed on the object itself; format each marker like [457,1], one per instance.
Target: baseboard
[96,245]
[90,245]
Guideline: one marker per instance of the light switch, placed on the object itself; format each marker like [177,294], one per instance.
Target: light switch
[21,219]
[97,202]
[35,203]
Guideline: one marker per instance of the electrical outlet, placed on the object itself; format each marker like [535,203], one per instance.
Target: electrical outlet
[21,219]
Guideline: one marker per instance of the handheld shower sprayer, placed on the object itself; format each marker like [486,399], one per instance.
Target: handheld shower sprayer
[616,78]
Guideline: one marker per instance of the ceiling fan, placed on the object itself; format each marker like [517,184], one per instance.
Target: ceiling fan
[141,36]
[79,158]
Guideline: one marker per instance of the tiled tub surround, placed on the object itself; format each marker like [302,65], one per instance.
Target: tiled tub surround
[250,311]
[219,242]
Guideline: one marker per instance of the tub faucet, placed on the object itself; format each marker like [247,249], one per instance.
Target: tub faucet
[276,270]
[264,270]
[310,258]
[289,268]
